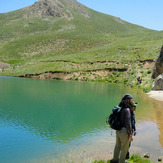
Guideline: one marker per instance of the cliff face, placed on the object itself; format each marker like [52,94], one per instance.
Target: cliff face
[158,68]
[158,73]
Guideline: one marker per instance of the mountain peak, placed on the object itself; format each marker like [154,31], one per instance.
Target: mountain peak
[55,8]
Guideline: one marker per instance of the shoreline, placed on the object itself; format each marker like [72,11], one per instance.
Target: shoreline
[157,95]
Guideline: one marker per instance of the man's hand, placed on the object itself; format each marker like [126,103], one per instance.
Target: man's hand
[134,133]
[131,138]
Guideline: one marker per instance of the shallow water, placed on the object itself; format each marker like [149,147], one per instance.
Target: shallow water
[58,121]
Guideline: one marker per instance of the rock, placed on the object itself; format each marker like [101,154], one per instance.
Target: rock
[158,68]
[146,155]
[55,9]
[158,83]
[45,8]
[160,159]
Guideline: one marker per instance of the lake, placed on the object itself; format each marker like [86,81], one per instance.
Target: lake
[64,121]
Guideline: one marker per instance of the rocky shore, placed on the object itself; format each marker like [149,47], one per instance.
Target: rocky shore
[157,95]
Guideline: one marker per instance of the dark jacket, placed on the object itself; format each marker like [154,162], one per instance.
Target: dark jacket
[133,121]
[126,119]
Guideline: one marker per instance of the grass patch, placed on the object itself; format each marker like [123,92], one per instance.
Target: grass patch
[133,159]
[57,78]
[15,61]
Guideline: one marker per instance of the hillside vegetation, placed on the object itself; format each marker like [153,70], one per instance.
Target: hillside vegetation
[66,40]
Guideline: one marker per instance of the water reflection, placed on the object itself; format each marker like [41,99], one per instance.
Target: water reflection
[147,139]
[158,118]
[54,108]
[54,119]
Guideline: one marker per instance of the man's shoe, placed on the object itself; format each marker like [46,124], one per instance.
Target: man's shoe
[127,156]
[113,161]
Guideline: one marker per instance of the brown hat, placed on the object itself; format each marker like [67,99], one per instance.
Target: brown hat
[133,104]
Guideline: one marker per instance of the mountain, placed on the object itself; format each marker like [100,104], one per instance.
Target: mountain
[66,36]
[65,21]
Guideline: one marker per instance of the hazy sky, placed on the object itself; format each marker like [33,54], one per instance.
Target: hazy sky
[147,13]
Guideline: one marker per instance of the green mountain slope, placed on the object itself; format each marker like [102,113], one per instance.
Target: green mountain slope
[36,31]
[66,36]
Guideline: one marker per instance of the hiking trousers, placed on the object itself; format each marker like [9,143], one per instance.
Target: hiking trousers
[121,146]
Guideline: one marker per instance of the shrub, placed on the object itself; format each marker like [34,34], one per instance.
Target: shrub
[57,78]
[149,71]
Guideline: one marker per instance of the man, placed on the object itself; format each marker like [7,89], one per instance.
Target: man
[123,136]
[132,110]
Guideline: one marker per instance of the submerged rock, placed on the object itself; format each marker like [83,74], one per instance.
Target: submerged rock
[160,159]
[146,155]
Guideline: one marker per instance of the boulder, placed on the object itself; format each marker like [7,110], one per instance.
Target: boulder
[158,83]
[158,68]
[160,159]
[146,155]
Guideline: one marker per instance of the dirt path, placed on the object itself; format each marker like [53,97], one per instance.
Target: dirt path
[2,65]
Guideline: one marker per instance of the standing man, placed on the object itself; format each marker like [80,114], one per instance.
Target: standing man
[123,136]
[132,110]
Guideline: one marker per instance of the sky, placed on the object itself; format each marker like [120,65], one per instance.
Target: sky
[146,13]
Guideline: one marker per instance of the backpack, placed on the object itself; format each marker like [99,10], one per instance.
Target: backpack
[114,118]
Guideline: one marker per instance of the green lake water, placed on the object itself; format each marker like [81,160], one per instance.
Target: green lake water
[64,121]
